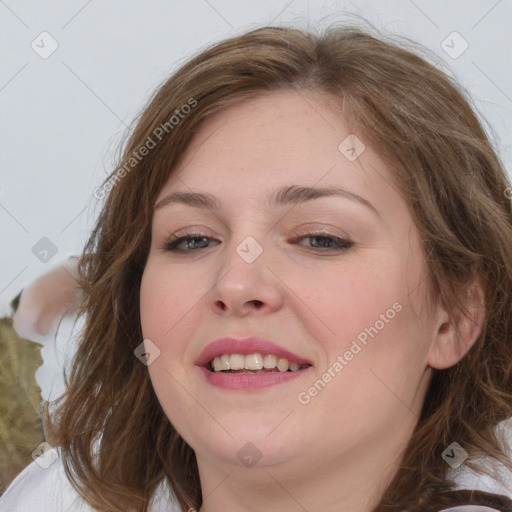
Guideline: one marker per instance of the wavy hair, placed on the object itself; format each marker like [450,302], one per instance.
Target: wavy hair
[117,444]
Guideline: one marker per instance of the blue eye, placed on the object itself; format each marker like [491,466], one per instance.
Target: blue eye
[192,241]
[320,242]
[323,242]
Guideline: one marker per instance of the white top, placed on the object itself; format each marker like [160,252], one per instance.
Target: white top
[44,487]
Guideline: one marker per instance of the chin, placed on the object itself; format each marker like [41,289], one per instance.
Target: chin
[249,441]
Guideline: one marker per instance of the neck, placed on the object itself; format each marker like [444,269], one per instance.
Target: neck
[353,482]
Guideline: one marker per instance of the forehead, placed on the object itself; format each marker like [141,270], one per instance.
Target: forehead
[277,139]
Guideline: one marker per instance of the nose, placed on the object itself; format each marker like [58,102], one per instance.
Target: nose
[244,285]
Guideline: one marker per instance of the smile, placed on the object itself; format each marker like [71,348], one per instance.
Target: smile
[253,363]
[249,364]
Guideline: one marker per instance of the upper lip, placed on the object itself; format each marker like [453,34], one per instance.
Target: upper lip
[245,347]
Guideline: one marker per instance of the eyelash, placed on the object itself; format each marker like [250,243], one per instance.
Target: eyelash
[171,244]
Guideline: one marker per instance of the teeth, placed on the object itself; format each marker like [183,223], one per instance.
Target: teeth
[270,361]
[252,362]
[282,365]
[217,366]
[236,361]
[224,359]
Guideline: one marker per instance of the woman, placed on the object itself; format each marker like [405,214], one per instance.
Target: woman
[296,293]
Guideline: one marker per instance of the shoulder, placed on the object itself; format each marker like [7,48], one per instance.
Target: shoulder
[501,481]
[43,486]
[469,508]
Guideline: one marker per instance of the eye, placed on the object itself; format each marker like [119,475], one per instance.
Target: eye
[186,243]
[320,242]
[324,242]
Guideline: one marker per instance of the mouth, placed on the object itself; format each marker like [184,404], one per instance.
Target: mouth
[249,364]
[257,363]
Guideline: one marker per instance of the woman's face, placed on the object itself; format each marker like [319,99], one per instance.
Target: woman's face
[335,281]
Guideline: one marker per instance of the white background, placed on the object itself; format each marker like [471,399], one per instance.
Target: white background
[62,117]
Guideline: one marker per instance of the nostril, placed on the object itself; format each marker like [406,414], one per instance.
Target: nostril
[257,304]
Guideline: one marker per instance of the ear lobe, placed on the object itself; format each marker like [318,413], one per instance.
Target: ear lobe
[458,330]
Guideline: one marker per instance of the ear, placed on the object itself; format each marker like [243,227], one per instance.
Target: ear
[457,331]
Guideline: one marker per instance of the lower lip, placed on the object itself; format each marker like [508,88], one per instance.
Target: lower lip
[249,381]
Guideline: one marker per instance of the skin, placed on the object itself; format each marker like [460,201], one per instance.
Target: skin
[340,450]
[46,300]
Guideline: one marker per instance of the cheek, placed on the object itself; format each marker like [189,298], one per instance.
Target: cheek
[378,315]
[345,303]
[154,303]
[167,318]
[166,295]
[164,319]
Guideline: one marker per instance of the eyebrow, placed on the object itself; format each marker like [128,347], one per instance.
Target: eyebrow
[293,194]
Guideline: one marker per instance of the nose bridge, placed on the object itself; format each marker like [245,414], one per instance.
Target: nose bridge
[246,242]
[242,260]
[242,281]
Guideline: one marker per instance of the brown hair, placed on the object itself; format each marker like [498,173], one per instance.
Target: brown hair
[117,443]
